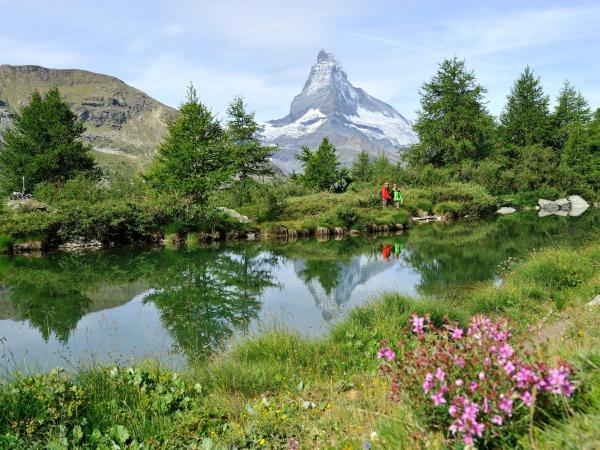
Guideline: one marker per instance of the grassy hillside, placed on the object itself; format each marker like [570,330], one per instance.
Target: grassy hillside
[118,117]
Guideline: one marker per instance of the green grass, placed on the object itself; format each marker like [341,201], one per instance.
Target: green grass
[5,244]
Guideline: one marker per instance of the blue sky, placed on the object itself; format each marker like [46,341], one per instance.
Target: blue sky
[264,49]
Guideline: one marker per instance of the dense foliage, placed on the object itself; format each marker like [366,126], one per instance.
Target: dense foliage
[43,145]
[531,153]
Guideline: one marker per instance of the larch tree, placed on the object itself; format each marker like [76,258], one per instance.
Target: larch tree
[453,123]
[525,119]
[44,144]
[192,161]
[249,156]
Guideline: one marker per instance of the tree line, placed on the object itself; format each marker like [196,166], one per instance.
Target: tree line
[529,148]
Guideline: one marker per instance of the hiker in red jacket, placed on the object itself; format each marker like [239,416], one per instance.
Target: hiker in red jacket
[386,196]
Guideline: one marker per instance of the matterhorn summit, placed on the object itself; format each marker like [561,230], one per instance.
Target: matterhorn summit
[330,106]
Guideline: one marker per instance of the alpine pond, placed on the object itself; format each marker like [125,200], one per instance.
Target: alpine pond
[177,306]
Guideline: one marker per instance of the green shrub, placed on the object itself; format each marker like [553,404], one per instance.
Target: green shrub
[347,217]
[448,207]
[424,205]
[5,244]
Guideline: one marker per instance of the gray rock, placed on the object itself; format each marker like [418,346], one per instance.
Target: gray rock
[548,205]
[563,204]
[595,301]
[577,202]
[235,215]
[506,210]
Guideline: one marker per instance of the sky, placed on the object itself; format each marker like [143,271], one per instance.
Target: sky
[263,49]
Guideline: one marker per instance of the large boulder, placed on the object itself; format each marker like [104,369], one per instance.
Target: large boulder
[506,210]
[548,205]
[577,202]
[563,204]
[28,205]
[235,215]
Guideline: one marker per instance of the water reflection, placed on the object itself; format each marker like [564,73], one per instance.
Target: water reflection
[130,304]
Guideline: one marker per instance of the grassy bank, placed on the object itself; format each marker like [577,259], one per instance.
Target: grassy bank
[324,393]
[128,212]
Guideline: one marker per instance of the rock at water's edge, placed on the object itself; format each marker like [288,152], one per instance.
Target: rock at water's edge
[548,205]
[235,215]
[506,210]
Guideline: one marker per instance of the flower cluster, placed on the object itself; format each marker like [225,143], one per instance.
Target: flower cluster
[473,382]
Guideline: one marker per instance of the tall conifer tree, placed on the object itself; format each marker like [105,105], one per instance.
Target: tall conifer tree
[525,120]
[192,161]
[249,156]
[44,144]
[453,123]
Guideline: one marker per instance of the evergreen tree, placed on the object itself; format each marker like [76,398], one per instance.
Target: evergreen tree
[571,109]
[453,123]
[44,144]
[525,120]
[362,169]
[249,156]
[192,160]
[321,168]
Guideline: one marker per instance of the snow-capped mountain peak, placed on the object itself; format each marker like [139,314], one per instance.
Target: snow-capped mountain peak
[329,105]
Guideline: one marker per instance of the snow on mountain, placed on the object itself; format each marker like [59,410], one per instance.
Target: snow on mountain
[329,105]
[306,124]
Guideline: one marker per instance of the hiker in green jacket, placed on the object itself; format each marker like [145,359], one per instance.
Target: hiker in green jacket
[397,196]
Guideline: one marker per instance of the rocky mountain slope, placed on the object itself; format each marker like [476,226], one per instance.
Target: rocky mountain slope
[119,118]
[329,105]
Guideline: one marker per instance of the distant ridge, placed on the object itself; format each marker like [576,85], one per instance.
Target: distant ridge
[118,117]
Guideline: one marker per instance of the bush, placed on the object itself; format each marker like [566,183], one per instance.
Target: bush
[448,207]
[347,217]
[5,244]
[475,385]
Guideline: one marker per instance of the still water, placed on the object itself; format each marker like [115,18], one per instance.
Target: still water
[74,309]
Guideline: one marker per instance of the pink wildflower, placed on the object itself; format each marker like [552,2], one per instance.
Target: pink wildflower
[293,443]
[478,428]
[486,405]
[418,324]
[459,382]
[557,381]
[457,333]
[497,419]
[509,367]
[438,398]
[440,374]
[505,352]
[459,361]
[506,405]
[473,386]
[453,411]
[387,353]
[525,376]
[428,383]
[526,398]
[481,376]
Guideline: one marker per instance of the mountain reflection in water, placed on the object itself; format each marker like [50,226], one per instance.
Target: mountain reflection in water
[123,305]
